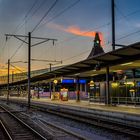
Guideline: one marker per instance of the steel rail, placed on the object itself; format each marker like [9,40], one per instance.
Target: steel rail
[100,122]
[23,123]
[95,120]
[6,131]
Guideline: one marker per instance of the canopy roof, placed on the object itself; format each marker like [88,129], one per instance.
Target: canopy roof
[116,60]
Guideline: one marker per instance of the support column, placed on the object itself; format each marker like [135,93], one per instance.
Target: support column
[113,24]
[77,90]
[8,78]
[85,88]
[38,91]
[107,98]
[29,68]
[50,85]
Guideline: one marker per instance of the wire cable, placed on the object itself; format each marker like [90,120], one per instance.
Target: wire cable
[60,13]
[47,12]
[19,26]
[29,18]
[130,34]
[16,50]
[23,72]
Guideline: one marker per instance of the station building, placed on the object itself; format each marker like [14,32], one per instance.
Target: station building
[109,78]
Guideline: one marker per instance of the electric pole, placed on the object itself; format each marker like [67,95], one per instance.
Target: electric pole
[113,23]
[20,37]
[8,79]
[29,69]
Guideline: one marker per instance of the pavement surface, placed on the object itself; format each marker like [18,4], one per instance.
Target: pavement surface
[131,109]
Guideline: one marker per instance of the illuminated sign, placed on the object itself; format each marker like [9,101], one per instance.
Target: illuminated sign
[138,83]
[81,81]
[67,81]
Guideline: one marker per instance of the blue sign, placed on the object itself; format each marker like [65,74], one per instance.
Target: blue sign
[68,81]
[138,83]
[82,81]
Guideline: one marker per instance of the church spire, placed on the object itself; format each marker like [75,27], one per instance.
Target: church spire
[96,49]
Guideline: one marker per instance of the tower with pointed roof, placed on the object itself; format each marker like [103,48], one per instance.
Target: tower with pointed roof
[96,49]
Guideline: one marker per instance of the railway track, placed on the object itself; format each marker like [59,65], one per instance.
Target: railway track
[54,132]
[122,128]
[15,128]
[4,135]
[93,120]
[89,118]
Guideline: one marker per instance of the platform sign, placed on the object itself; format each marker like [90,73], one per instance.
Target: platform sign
[67,81]
[64,94]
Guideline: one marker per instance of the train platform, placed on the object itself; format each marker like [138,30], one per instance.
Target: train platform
[129,115]
[125,109]
[135,110]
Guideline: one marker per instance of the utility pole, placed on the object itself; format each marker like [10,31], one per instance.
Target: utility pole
[29,69]
[43,40]
[113,23]
[50,88]
[8,79]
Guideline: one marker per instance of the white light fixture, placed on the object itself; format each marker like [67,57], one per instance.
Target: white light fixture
[77,74]
[124,64]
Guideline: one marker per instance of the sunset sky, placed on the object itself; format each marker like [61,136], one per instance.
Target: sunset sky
[72,22]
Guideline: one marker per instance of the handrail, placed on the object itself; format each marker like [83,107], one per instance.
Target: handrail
[125,100]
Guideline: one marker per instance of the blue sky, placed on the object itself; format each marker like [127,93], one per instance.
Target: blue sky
[68,27]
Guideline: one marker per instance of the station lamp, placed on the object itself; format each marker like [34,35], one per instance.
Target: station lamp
[55,81]
[91,83]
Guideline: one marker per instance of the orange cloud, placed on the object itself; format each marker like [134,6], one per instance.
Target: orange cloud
[77,31]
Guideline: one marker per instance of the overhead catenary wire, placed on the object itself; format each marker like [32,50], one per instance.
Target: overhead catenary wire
[18,69]
[125,36]
[76,36]
[16,50]
[123,16]
[20,26]
[133,12]
[34,12]
[47,12]
[128,35]
[60,13]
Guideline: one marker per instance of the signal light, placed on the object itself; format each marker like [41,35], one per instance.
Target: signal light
[97,67]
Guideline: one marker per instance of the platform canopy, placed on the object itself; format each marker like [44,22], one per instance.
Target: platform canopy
[121,59]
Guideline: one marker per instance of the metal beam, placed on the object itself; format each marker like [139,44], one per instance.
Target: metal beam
[31,37]
[20,39]
[40,43]
[43,60]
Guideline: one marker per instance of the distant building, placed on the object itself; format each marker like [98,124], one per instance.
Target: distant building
[97,48]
